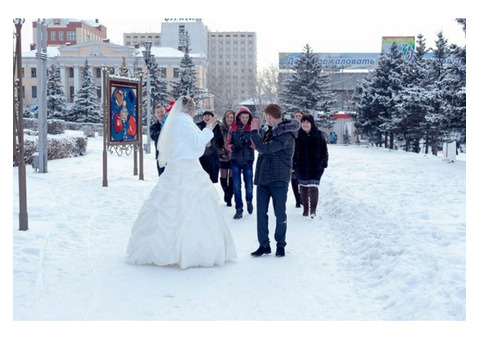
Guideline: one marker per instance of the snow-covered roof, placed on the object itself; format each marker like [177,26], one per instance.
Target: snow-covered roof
[52,51]
[165,52]
[169,52]
[66,21]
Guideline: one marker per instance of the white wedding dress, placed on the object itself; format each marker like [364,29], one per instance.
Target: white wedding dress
[180,223]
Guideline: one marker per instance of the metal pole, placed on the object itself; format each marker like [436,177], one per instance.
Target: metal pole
[42,98]
[140,136]
[149,109]
[105,127]
[22,183]
[148,62]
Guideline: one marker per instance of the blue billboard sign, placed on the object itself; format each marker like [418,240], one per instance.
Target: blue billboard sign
[335,61]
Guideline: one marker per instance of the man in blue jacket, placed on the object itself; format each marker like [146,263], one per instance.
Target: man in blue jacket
[272,174]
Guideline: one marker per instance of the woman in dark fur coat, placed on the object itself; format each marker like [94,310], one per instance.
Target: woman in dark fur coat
[311,159]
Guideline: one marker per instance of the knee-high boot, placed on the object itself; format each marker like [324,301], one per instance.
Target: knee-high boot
[313,193]
[229,193]
[305,203]
[223,182]
[296,193]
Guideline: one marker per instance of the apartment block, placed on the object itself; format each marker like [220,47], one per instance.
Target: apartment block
[232,69]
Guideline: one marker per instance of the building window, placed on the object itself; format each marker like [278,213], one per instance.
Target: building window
[34,92]
[52,36]
[61,36]
[163,72]
[176,73]
[71,36]
[72,92]
[33,72]
[71,72]
[99,72]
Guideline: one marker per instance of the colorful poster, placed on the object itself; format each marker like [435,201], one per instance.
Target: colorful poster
[123,118]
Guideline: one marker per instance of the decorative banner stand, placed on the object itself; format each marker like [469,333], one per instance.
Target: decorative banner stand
[122,116]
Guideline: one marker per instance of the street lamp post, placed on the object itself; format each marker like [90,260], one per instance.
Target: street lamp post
[42,97]
[18,127]
[148,56]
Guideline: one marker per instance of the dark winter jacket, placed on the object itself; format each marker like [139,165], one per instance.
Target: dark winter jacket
[223,154]
[209,159]
[216,142]
[155,129]
[311,156]
[275,151]
[238,140]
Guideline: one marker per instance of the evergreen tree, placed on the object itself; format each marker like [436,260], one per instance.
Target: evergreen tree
[86,106]
[188,76]
[346,136]
[412,99]
[391,73]
[56,97]
[306,88]
[454,90]
[425,99]
[158,88]
[436,120]
[377,97]
[367,118]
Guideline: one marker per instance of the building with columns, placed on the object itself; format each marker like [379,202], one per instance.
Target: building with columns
[71,61]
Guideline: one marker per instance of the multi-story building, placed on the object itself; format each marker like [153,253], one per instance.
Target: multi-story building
[173,32]
[61,32]
[232,57]
[232,70]
[138,39]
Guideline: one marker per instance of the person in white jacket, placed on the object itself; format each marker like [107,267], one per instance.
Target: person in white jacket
[180,223]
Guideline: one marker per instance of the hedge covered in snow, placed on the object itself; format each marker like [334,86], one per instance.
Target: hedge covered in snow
[62,142]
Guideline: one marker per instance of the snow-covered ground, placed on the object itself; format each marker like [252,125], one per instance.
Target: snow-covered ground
[389,244]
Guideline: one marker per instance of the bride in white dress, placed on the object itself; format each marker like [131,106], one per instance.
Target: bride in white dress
[180,222]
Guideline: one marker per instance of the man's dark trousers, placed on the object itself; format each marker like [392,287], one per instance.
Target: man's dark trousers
[278,192]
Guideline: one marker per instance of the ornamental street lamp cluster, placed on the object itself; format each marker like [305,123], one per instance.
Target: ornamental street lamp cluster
[149,62]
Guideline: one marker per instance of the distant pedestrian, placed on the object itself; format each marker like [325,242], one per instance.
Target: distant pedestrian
[333,137]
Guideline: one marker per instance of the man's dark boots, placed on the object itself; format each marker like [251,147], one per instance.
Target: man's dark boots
[262,250]
[238,215]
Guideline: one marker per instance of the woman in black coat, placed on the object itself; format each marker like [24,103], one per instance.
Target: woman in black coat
[209,160]
[311,159]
